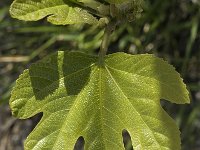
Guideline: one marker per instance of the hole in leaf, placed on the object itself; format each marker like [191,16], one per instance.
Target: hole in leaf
[170,108]
[79,144]
[26,126]
[127,140]
[36,119]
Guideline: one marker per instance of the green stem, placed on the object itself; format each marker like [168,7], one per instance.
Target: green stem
[87,7]
[106,41]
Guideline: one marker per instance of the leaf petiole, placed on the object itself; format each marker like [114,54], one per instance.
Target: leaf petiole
[106,40]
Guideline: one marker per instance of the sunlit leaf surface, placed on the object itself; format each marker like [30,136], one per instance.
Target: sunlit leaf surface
[60,12]
[79,97]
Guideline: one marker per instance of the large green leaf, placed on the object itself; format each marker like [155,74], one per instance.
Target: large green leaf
[60,12]
[79,97]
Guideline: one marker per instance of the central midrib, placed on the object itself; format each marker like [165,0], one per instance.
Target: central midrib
[111,76]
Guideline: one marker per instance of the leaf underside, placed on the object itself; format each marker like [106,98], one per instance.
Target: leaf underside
[78,97]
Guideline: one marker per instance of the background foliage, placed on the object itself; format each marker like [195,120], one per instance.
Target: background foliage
[169,29]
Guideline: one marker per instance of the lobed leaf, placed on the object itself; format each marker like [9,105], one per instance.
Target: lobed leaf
[60,12]
[79,97]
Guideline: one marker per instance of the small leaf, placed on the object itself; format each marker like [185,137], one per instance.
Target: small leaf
[78,97]
[127,10]
[58,12]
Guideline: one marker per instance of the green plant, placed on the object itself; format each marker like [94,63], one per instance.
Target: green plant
[96,97]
